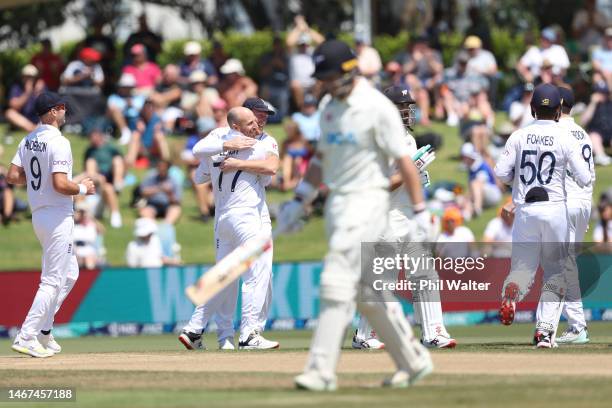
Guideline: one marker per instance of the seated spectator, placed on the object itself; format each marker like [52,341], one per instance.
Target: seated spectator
[307,119]
[146,250]
[596,120]
[587,25]
[50,65]
[520,111]
[498,234]
[197,100]
[301,65]
[295,156]
[531,62]
[369,61]
[151,40]
[7,199]
[22,95]
[482,62]
[194,62]
[274,77]
[603,228]
[84,75]
[146,73]
[423,68]
[602,60]
[392,74]
[219,108]
[550,74]
[124,107]
[218,55]
[104,165]
[483,189]
[87,233]
[455,240]
[167,96]
[235,87]
[149,137]
[161,194]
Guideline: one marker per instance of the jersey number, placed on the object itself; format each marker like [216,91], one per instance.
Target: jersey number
[234,180]
[36,173]
[536,172]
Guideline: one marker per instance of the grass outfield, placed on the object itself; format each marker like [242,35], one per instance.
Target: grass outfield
[492,366]
[19,248]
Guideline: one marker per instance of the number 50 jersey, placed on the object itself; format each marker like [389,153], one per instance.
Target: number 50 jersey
[538,155]
[41,153]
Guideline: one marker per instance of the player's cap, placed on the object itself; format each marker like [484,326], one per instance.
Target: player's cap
[310,100]
[567,97]
[232,66]
[399,94]
[90,54]
[29,70]
[258,104]
[472,41]
[46,101]
[126,81]
[468,150]
[333,57]
[144,227]
[197,77]
[137,49]
[192,48]
[608,32]
[545,96]
[205,124]
[549,34]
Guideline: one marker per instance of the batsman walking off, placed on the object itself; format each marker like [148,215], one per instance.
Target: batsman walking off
[43,163]
[361,133]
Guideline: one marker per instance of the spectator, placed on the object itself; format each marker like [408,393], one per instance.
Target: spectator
[531,62]
[498,233]
[152,41]
[369,61]
[483,189]
[218,55]
[194,62]
[455,240]
[50,65]
[84,75]
[308,119]
[22,95]
[550,75]
[167,96]
[87,235]
[520,111]
[596,119]
[219,108]
[295,156]
[423,68]
[482,62]
[301,65]
[105,45]
[479,27]
[161,194]
[587,26]
[149,138]
[7,199]
[603,229]
[235,87]
[104,165]
[146,250]
[146,73]
[392,74]
[124,107]
[274,77]
[602,59]
[198,99]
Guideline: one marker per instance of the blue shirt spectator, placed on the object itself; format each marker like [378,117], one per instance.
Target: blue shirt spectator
[308,119]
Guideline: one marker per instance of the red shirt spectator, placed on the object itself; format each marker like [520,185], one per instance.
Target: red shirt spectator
[146,73]
[50,66]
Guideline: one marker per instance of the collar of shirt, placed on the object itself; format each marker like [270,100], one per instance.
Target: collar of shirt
[543,122]
[567,119]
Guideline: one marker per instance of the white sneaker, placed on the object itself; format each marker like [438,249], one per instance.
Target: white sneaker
[452,120]
[256,341]
[440,341]
[31,348]
[48,342]
[115,219]
[573,336]
[226,344]
[126,136]
[370,344]
[313,381]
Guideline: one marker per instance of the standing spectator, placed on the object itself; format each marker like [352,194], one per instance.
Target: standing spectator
[235,87]
[596,119]
[124,107]
[167,96]
[498,233]
[483,189]
[219,108]
[307,119]
[218,55]
[146,250]
[152,41]
[50,65]
[149,138]
[603,229]
[146,73]
[104,164]
[7,198]
[602,59]
[194,62]
[369,61]
[87,235]
[105,45]
[587,26]
[84,74]
[520,111]
[479,27]
[531,62]
[161,194]
[295,156]
[455,240]
[22,95]
[274,77]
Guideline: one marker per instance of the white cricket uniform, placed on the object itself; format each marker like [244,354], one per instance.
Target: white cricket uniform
[41,153]
[539,155]
[359,136]
[579,202]
[241,214]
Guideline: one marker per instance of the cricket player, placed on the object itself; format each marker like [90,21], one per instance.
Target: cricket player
[535,161]
[579,202]
[361,130]
[43,163]
[240,161]
[402,229]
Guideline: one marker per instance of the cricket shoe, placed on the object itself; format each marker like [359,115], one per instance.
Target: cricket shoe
[508,306]
[256,341]
[543,339]
[370,344]
[403,379]
[440,341]
[227,344]
[31,348]
[313,381]
[573,336]
[191,341]
[48,342]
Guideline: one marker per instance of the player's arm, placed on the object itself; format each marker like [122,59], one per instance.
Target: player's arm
[212,145]
[410,176]
[504,169]
[266,167]
[62,185]
[16,175]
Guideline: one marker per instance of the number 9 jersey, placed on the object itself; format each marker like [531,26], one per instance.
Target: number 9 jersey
[539,155]
[41,153]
